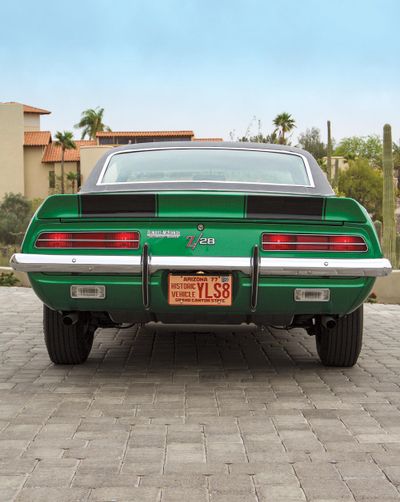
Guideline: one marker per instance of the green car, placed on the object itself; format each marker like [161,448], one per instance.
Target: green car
[190,233]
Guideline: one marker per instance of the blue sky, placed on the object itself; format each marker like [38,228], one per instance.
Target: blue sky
[205,65]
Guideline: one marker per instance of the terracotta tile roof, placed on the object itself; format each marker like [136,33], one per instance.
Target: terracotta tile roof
[29,109]
[38,111]
[137,134]
[52,152]
[37,138]
[207,139]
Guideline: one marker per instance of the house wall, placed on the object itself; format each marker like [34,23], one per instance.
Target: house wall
[11,148]
[36,173]
[89,156]
[31,122]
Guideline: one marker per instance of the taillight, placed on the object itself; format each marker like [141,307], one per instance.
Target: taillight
[283,242]
[305,242]
[88,240]
[348,243]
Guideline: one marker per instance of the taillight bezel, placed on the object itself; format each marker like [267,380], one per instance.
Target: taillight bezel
[293,246]
[134,243]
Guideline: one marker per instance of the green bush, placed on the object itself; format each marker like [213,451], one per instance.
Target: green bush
[15,213]
[8,279]
[363,183]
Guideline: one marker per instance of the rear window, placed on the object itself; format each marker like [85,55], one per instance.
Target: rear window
[207,165]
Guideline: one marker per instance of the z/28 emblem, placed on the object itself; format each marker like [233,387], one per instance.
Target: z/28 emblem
[193,241]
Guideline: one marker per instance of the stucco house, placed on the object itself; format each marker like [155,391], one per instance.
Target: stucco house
[30,161]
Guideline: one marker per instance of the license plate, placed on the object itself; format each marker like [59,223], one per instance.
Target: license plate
[210,290]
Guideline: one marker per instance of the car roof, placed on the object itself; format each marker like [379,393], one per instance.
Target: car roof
[322,186]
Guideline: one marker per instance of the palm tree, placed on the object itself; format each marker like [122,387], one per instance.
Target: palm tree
[284,123]
[66,141]
[72,178]
[92,122]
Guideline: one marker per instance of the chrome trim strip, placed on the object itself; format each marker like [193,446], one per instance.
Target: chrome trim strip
[145,276]
[81,264]
[285,152]
[111,264]
[322,243]
[86,240]
[340,267]
[80,232]
[255,274]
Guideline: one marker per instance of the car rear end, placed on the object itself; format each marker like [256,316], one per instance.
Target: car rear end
[275,259]
[203,234]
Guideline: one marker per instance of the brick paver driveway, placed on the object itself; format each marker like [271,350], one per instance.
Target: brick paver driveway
[233,415]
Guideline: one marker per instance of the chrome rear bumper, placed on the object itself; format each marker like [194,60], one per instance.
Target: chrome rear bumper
[362,267]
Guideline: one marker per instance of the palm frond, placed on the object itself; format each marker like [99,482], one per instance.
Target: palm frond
[92,122]
[65,140]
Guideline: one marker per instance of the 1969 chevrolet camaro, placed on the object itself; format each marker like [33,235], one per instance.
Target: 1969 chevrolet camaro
[203,233]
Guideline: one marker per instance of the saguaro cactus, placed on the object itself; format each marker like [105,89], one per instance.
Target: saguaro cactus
[389,223]
[329,153]
[335,175]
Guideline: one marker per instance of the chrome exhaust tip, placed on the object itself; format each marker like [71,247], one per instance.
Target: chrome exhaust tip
[328,322]
[70,318]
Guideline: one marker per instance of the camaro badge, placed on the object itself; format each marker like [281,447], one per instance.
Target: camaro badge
[193,241]
[160,234]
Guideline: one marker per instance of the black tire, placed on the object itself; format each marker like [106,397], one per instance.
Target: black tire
[67,344]
[341,345]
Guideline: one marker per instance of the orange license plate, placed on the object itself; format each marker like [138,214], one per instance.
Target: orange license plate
[213,290]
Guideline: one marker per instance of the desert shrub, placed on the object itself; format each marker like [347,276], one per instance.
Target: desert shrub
[8,279]
[15,213]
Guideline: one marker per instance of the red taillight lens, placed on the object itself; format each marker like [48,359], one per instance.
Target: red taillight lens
[347,243]
[88,240]
[305,242]
[312,242]
[53,240]
[278,242]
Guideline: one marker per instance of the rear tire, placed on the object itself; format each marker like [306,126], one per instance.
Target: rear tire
[341,345]
[66,344]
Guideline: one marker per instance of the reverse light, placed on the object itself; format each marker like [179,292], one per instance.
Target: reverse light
[312,295]
[88,240]
[88,291]
[313,242]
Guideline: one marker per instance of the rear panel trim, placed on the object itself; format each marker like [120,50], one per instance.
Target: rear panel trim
[114,205]
[278,207]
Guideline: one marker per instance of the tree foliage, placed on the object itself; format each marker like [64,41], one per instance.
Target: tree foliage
[92,122]
[261,138]
[66,141]
[284,123]
[311,141]
[364,183]
[72,178]
[15,213]
[396,156]
[361,147]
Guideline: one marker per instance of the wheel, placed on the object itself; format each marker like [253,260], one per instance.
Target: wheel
[341,345]
[66,344]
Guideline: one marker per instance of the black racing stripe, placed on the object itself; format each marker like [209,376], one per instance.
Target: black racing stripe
[123,205]
[278,207]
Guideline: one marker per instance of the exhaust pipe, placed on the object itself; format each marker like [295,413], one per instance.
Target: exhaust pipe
[70,319]
[328,322]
